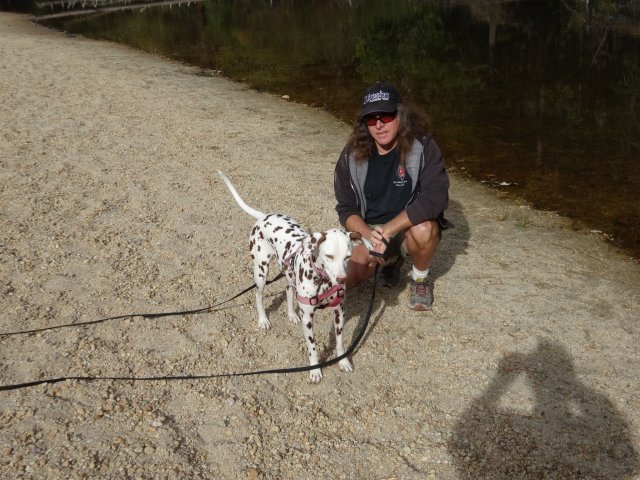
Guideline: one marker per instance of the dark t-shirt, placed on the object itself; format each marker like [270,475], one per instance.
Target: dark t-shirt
[387,187]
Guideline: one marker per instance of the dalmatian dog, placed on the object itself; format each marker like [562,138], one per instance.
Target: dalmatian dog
[316,269]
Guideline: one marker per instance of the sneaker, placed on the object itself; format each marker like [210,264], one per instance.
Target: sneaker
[421,295]
[390,274]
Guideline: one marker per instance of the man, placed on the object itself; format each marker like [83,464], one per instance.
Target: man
[392,187]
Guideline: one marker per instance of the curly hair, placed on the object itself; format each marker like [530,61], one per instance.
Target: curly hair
[414,123]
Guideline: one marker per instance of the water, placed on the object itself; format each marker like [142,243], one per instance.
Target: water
[539,99]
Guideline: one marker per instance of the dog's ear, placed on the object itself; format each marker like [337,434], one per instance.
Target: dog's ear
[356,238]
[316,240]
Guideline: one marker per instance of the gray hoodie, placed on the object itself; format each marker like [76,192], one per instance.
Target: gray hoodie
[429,182]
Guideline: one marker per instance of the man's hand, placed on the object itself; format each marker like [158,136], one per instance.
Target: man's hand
[380,244]
[374,239]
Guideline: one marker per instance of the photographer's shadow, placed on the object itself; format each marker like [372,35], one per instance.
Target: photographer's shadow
[569,431]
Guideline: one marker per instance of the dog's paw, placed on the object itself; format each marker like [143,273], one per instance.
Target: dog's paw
[315,375]
[295,319]
[264,323]
[345,365]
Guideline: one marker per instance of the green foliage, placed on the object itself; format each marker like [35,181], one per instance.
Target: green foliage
[629,84]
[562,100]
[272,42]
[522,220]
[414,43]
[18,5]
[601,10]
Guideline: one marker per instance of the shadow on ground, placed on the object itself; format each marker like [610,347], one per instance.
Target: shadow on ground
[454,241]
[567,430]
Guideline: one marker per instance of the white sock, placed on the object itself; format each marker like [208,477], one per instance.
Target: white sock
[419,274]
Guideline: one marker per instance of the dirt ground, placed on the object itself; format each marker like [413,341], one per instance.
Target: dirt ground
[110,204]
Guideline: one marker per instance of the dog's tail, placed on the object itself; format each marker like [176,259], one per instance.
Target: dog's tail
[251,211]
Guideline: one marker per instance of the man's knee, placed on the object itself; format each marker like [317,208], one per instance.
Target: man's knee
[424,234]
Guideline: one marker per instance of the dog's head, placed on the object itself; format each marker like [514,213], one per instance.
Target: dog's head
[332,251]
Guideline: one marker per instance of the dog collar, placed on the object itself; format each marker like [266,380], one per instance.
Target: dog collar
[338,289]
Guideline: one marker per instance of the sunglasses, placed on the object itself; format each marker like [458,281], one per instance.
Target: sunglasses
[372,120]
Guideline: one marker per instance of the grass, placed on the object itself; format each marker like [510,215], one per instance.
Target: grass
[522,220]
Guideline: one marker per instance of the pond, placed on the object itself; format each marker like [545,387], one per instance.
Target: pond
[535,98]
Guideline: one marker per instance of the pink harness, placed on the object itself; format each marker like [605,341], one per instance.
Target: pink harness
[337,288]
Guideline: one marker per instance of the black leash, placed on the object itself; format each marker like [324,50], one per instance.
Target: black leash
[352,347]
[144,315]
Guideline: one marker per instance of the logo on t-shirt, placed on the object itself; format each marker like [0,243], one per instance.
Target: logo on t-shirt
[402,179]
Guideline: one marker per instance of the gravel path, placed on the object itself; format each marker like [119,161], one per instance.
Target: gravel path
[109,204]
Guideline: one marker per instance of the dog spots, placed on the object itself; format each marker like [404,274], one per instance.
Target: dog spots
[287,246]
[301,273]
[338,331]
[309,325]
[337,314]
[311,339]
[279,227]
[261,236]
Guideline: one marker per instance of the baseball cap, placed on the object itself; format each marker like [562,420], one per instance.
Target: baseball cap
[379,97]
